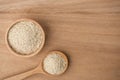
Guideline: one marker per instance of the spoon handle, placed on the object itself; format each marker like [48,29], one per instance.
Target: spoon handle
[22,75]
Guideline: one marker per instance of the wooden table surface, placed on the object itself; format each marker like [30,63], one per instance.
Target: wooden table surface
[88,31]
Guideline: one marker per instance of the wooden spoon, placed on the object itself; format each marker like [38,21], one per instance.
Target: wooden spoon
[39,69]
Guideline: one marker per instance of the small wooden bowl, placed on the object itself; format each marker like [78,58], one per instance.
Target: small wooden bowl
[18,53]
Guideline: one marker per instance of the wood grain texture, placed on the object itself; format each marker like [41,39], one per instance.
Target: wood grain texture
[88,31]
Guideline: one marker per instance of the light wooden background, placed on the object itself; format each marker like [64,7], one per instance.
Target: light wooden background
[88,31]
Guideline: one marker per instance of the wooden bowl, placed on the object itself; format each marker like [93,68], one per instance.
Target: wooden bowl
[18,53]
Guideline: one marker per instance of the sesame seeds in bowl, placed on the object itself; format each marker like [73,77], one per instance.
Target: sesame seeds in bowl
[25,37]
